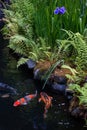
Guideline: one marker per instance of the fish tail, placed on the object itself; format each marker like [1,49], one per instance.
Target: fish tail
[45,113]
[36,93]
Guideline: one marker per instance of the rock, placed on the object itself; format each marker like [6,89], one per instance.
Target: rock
[69,94]
[58,87]
[3,4]
[31,64]
[54,83]
[60,79]
[38,75]
[75,112]
[1,22]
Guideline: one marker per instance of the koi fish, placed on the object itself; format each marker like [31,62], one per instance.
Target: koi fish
[6,90]
[47,101]
[25,100]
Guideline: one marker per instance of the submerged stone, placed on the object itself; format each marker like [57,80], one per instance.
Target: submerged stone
[69,94]
[75,112]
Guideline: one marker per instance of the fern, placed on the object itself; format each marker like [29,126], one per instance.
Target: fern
[75,48]
[18,27]
[81,92]
[73,71]
[19,44]
[19,30]
[39,50]
[22,61]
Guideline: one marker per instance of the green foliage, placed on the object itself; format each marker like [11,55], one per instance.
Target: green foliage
[19,44]
[74,48]
[39,50]
[81,92]
[11,26]
[71,77]
[33,28]
[73,71]
[48,25]
[19,30]
[16,17]
[18,27]
[77,15]
[22,61]
[25,10]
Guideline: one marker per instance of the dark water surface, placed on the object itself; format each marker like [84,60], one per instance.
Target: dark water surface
[30,117]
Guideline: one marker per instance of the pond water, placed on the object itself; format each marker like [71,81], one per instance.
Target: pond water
[30,116]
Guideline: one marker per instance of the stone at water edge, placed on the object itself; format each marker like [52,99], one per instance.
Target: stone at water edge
[60,79]
[1,22]
[59,87]
[31,63]
[39,74]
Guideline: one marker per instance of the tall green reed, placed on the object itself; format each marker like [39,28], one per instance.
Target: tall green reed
[48,25]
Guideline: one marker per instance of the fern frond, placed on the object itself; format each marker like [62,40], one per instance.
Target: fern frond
[19,44]
[22,61]
[73,71]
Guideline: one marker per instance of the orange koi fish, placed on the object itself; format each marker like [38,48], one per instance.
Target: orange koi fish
[47,101]
[25,100]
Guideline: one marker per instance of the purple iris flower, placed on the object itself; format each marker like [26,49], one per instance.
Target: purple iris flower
[60,10]
[56,11]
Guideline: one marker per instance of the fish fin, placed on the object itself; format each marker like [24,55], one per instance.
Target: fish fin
[24,104]
[39,100]
[45,115]
[50,97]
[36,92]
[5,96]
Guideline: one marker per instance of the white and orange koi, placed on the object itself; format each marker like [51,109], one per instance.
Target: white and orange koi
[25,100]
